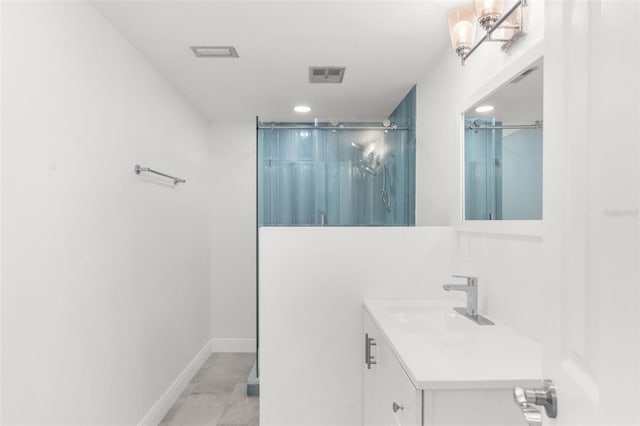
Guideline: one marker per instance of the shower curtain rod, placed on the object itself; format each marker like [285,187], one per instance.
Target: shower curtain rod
[536,125]
[311,127]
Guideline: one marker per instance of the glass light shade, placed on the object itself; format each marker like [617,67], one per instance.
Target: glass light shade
[462,27]
[485,8]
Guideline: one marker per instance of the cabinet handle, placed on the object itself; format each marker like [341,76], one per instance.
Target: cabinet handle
[372,360]
[366,348]
[368,358]
[396,407]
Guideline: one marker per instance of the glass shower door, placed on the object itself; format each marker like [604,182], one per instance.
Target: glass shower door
[502,171]
[482,171]
[322,177]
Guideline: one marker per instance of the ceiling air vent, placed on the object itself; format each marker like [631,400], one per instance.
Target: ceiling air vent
[326,74]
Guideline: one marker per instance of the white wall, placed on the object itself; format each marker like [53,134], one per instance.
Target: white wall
[313,282]
[233,233]
[105,292]
[510,277]
[507,264]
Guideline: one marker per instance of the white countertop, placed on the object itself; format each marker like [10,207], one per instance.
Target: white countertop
[440,349]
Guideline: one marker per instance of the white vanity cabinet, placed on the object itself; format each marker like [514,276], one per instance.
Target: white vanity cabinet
[389,395]
[416,371]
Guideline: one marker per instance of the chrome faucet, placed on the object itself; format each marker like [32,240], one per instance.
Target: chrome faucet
[471,288]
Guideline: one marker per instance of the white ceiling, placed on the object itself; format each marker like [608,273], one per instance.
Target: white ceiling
[516,103]
[386,46]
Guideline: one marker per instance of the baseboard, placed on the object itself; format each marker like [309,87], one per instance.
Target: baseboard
[233,345]
[166,401]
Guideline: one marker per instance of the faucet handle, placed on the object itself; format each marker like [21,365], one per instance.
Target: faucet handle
[470,280]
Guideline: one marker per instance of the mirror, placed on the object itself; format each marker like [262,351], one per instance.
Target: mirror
[503,151]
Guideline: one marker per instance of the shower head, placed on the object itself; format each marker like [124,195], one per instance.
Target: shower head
[371,157]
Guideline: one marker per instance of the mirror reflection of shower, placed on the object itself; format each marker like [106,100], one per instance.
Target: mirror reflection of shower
[503,150]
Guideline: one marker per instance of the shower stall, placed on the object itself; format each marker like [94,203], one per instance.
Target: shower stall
[320,176]
[336,174]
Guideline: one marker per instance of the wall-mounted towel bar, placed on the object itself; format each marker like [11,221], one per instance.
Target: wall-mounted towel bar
[138,169]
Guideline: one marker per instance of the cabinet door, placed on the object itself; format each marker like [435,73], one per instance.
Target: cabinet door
[400,403]
[386,384]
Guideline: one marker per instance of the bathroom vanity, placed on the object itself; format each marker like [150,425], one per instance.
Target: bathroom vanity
[425,364]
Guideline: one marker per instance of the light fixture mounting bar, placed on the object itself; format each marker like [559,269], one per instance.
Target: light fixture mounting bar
[519,33]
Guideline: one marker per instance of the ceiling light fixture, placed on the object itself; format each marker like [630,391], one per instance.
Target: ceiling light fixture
[484,108]
[215,51]
[504,28]
[301,108]
[462,27]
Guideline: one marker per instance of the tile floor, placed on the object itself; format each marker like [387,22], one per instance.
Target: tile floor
[217,395]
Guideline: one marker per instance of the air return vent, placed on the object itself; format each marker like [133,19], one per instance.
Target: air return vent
[326,74]
[523,75]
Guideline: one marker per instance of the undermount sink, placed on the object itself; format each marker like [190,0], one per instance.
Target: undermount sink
[421,319]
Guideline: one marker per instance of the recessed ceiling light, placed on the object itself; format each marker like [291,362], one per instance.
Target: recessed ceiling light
[484,108]
[215,51]
[302,108]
